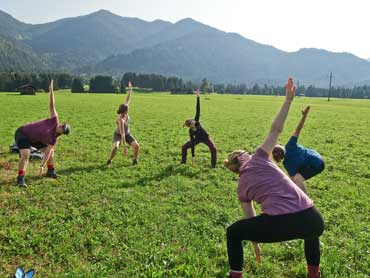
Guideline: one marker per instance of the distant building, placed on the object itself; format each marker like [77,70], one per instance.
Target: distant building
[27,89]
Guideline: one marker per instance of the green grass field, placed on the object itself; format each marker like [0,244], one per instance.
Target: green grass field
[162,219]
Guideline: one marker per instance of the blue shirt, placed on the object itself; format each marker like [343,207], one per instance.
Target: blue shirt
[297,156]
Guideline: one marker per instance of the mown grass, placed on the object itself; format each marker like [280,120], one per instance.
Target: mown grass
[162,219]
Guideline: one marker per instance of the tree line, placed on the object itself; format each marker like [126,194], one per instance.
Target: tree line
[11,81]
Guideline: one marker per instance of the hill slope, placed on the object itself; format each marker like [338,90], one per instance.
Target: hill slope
[106,43]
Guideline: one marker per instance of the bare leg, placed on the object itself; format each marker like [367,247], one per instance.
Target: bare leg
[113,151]
[22,166]
[24,158]
[136,147]
[299,180]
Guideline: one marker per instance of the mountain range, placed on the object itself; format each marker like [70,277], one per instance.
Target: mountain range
[105,43]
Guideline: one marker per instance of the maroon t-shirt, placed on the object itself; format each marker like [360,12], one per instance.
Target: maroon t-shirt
[43,131]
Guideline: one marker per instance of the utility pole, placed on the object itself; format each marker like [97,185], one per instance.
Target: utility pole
[331,77]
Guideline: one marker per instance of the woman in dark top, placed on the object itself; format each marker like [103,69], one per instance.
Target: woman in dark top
[198,135]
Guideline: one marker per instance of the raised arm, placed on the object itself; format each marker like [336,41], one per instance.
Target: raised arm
[53,112]
[279,121]
[128,97]
[301,122]
[197,113]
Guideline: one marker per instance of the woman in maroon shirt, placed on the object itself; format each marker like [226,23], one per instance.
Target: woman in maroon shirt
[41,135]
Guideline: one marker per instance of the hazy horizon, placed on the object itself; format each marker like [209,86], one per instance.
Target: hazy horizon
[331,25]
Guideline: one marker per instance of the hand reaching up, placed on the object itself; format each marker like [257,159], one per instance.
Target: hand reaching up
[51,86]
[289,90]
[305,111]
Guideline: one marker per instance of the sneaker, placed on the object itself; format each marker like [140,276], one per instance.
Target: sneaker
[109,162]
[134,162]
[21,181]
[51,174]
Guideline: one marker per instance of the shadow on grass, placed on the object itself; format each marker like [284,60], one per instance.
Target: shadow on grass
[13,181]
[170,170]
[63,173]
[85,169]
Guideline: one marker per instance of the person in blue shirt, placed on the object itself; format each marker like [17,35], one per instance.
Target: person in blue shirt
[301,163]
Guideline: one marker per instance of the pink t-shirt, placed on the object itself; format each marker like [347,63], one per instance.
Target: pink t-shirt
[261,180]
[43,131]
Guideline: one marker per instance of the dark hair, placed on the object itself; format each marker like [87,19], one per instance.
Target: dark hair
[278,153]
[66,129]
[122,109]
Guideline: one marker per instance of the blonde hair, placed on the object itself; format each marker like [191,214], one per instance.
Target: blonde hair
[232,162]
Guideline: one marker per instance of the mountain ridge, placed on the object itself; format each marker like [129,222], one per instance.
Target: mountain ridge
[105,43]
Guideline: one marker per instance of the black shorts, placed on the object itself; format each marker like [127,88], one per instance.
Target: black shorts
[128,138]
[23,142]
[310,171]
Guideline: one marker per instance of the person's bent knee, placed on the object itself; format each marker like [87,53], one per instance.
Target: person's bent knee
[136,145]
[25,154]
[231,232]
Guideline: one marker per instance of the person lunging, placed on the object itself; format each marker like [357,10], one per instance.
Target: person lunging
[122,133]
[287,212]
[198,135]
[301,163]
[42,135]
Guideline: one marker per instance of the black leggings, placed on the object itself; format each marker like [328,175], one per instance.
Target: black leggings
[208,141]
[307,224]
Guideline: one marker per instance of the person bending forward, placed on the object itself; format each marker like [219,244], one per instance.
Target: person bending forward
[287,212]
[42,135]
[301,163]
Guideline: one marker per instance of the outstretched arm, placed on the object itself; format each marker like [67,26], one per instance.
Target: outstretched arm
[301,122]
[47,153]
[53,112]
[129,93]
[121,123]
[197,113]
[249,212]
[278,123]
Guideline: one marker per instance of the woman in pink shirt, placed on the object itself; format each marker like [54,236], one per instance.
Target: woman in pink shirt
[287,212]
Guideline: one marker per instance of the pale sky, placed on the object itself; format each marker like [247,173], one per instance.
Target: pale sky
[335,25]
